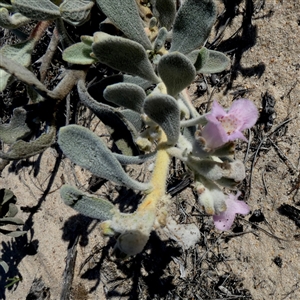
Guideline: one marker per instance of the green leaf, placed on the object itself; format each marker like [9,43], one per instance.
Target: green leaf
[79,54]
[22,149]
[12,233]
[121,131]
[134,160]
[164,11]
[176,71]
[4,265]
[193,24]
[123,55]
[127,95]
[87,150]
[19,52]
[199,57]
[11,66]
[160,39]
[17,127]
[12,21]
[76,12]
[6,196]
[86,204]
[134,118]
[163,110]
[9,220]
[37,10]
[125,15]
[215,62]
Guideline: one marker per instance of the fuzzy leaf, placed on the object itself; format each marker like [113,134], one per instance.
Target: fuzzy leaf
[4,265]
[17,127]
[127,95]
[144,84]
[11,66]
[12,21]
[199,57]
[134,118]
[86,204]
[79,53]
[76,12]
[176,71]
[12,210]
[9,220]
[123,55]
[12,233]
[213,170]
[22,149]
[164,11]
[5,196]
[193,24]
[125,15]
[87,150]
[160,39]
[19,52]
[163,110]
[215,62]
[121,131]
[37,10]
[134,160]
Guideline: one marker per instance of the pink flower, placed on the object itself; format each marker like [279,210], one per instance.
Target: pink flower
[224,220]
[223,126]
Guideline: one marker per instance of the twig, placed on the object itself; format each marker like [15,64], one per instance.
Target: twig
[69,270]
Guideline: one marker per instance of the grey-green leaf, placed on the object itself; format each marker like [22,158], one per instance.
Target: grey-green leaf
[37,10]
[16,129]
[86,204]
[12,21]
[4,265]
[125,15]
[176,71]
[163,110]
[134,160]
[11,220]
[22,149]
[123,55]
[165,11]
[193,24]
[121,131]
[87,150]
[19,52]
[199,57]
[79,53]
[160,39]
[134,118]
[127,95]
[76,12]
[215,62]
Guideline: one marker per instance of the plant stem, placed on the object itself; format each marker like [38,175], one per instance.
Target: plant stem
[159,177]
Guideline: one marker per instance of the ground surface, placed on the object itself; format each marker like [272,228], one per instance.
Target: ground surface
[258,259]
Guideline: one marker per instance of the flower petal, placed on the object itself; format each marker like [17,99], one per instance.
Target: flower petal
[214,135]
[237,135]
[245,111]
[217,110]
[224,220]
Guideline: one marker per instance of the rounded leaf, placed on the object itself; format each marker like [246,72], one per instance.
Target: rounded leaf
[127,95]
[86,149]
[88,205]
[125,15]
[123,55]
[176,71]
[193,24]
[163,110]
